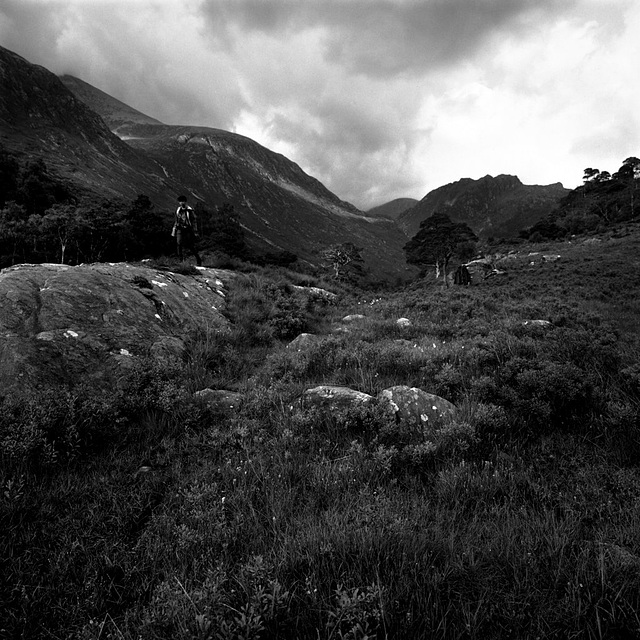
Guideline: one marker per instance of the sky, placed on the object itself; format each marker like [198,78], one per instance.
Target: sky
[377,99]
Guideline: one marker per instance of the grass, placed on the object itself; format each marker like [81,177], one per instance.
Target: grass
[147,514]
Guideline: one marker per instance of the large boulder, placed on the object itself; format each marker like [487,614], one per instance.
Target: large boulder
[333,398]
[418,409]
[64,324]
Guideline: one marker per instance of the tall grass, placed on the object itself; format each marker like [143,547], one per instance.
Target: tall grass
[148,514]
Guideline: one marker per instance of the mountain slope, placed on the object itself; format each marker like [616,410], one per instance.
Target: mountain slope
[278,204]
[498,207]
[41,118]
[113,111]
[392,209]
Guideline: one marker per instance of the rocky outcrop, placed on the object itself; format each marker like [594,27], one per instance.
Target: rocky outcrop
[63,324]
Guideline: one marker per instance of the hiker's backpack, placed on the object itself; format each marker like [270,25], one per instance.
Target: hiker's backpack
[183,219]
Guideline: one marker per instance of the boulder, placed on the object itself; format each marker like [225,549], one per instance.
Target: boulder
[478,269]
[222,400]
[64,324]
[403,323]
[333,398]
[304,341]
[417,408]
[355,317]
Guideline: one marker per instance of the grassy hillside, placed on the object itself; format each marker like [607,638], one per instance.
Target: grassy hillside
[146,514]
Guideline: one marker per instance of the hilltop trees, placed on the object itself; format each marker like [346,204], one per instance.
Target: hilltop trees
[604,199]
[438,240]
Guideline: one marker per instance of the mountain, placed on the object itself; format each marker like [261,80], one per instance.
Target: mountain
[113,111]
[498,207]
[392,209]
[72,126]
[41,118]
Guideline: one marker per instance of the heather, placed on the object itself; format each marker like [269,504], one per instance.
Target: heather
[142,511]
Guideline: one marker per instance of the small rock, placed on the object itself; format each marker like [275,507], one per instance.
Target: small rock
[303,341]
[333,398]
[220,399]
[315,293]
[536,323]
[356,317]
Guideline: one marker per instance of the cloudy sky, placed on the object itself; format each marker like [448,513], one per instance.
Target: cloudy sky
[378,99]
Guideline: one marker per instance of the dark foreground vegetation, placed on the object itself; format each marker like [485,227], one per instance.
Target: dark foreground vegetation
[142,513]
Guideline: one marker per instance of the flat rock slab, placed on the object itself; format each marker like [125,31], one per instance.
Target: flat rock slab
[64,324]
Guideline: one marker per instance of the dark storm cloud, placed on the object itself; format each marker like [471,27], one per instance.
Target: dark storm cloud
[376,98]
[386,38]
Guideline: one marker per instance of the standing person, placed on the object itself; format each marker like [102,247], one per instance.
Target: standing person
[185,230]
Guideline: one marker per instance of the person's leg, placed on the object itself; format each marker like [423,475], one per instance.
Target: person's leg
[190,244]
[180,244]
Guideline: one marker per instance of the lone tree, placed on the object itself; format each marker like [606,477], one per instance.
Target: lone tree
[345,261]
[438,240]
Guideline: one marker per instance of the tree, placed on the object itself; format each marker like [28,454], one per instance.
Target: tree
[14,234]
[223,229]
[59,225]
[344,260]
[144,232]
[438,240]
[628,174]
[9,172]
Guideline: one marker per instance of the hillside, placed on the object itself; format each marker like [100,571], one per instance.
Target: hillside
[238,470]
[40,118]
[112,111]
[392,209]
[498,207]
[279,206]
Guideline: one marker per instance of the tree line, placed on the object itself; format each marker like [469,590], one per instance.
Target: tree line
[42,220]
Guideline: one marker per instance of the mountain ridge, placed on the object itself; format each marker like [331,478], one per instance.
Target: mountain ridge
[497,206]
